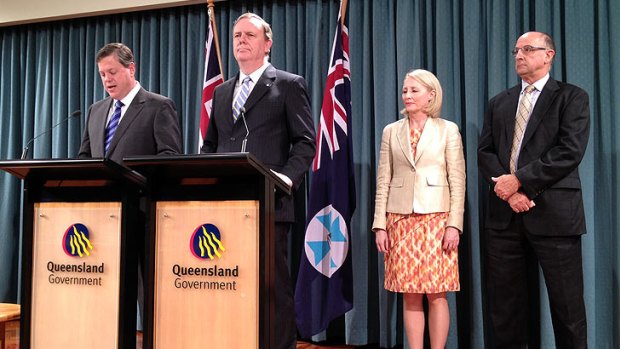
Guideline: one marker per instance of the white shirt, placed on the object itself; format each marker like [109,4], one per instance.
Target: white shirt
[126,102]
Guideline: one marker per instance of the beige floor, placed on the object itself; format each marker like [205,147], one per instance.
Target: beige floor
[300,345]
[12,340]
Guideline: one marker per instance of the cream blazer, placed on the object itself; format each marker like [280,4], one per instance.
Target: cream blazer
[432,182]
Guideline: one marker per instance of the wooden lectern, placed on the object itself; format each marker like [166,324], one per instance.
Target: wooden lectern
[79,264]
[209,279]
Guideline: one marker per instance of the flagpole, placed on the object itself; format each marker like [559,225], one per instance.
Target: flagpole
[343,10]
[211,13]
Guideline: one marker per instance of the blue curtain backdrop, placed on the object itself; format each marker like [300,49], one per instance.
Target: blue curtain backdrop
[47,71]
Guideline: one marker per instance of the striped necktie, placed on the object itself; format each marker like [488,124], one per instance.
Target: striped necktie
[523,115]
[242,96]
[113,124]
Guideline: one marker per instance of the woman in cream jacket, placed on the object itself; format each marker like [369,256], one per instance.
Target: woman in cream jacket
[419,207]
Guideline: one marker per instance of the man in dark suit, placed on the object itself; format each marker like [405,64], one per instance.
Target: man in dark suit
[144,123]
[531,144]
[275,107]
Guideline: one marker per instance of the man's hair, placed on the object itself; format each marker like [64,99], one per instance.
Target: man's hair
[122,52]
[263,23]
[548,41]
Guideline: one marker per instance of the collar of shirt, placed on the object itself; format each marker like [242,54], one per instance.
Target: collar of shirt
[126,102]
[255,75]
[539,85]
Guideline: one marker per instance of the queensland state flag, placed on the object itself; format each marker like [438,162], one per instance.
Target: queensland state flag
[324,287]
[212,78]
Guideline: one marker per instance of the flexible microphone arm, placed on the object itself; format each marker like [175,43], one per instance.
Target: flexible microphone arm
[26,148]
[247,131]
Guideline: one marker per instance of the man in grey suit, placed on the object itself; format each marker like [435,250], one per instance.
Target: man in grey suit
[533,139]
[131,121]
[275,107]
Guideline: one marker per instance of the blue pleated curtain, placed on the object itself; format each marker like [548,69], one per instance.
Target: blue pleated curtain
[47,71]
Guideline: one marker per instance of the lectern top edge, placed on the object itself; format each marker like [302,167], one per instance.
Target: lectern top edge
[217,164]
[97,168]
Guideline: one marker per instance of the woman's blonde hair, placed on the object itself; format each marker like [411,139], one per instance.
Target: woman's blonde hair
[430,81]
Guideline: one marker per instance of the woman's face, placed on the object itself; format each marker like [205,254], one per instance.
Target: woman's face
[416,97]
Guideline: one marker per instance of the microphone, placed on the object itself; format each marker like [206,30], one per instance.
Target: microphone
[25,151]
[247,131]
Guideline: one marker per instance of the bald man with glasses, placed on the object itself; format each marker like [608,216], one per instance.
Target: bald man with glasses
[533,139]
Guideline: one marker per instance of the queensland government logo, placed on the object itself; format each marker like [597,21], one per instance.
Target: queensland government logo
[76,241]
[206,242]
[327,241]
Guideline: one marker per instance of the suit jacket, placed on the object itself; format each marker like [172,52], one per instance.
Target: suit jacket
[432,182]
[150,126]
[553,145]
[279,120]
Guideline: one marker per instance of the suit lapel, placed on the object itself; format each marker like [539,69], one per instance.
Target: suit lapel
[428,134]
[506,116]
[102,124]
[132,113]
[227,91]
[402,136]
[508,121]
[262,86]
[547,95]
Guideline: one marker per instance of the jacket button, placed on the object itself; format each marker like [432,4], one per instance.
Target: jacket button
[232,139]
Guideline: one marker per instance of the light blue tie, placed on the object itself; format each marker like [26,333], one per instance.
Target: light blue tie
[242,96]
[113,124]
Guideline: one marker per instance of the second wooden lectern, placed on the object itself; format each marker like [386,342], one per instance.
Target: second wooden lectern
[210,251]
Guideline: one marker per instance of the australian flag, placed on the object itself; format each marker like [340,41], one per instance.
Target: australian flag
[212,78]
[324,288]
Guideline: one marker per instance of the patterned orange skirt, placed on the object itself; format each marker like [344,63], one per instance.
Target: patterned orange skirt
[416,263]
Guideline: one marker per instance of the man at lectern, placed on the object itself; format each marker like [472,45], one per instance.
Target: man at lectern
[266,111]
[132,120]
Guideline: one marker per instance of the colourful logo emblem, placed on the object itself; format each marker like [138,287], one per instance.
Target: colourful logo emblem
[327,241]
[76,242]
[206,242]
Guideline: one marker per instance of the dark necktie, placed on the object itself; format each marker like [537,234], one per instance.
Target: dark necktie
[113,125]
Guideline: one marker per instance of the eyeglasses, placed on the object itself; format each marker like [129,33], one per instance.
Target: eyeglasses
[527,49]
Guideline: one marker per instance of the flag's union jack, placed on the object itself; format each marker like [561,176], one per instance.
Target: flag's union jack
[212,78]
[337,98]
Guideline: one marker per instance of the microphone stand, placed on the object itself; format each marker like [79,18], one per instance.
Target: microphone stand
[26,148]
[247,131]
